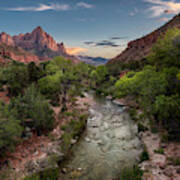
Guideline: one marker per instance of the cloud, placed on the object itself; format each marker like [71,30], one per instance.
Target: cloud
[103,43]
[118,38]
[52,6]
[89,43]
[163,19]
[85,19]
[85,5]
[75,50]
[134,12]
[42,7]
[161,7]
[107,43]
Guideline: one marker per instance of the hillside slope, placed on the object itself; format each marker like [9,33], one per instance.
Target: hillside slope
[138,49]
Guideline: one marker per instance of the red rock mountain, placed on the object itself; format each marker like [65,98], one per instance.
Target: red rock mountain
[35,46]
[140,48]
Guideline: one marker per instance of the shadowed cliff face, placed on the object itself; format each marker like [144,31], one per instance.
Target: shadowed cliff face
[140,48]
[34,46]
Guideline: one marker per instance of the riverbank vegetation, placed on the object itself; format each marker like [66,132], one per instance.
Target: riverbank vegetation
[130,174]
[32,91]
[153,83]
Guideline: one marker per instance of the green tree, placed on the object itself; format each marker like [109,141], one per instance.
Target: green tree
[166,110]
[16,77]
[33,106]
[165,53]
[10,128]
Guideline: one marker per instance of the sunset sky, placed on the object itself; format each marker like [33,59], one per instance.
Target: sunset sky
[90,27]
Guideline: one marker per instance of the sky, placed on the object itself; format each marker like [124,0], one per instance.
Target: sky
[88,27]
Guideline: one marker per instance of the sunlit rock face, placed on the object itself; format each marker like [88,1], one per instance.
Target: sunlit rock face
[6,39]
[37,39]
[140,48]
[35,46]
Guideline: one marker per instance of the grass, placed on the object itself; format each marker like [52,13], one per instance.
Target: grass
[72,130]
[142,128]
[130,174]
[144,155]
[159,151]
[175,161]
[51,174]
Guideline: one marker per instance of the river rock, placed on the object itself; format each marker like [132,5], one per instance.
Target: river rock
[109,97]
[73,141]
[87,140]
[100,142]
[44,163]
[106,126]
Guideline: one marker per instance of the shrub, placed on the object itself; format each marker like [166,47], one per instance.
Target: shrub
[10,128]
[51,174]
[165,52]
[32,105]
[175,161]
[166,109]
[130,174]
[141,128]
[159,151]
[16,77]
[144,155]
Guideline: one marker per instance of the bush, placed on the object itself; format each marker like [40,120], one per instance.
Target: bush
[142,128]
[10,129]
[175,161]
[72,129]
[159,151]
[144,155]
[166,109]
[130,174]
[16,77]
[32,105]
[51,174]
[165,52]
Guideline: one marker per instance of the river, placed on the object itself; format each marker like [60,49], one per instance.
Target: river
[110,143]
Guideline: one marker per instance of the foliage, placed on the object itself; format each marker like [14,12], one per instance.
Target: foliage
[142,128]
[130,174]
[50,84]
[159,151]
[174,160]
[10,128]
[16,77]
[32,105]
[51,174]
[144,155]
[63,80]
[34,72]
[165,53]
[99,75]
[166,109]
[72,129]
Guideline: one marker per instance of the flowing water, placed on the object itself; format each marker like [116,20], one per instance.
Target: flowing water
[110,143]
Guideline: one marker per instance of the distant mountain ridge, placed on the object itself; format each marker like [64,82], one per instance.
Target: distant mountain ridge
[140,48]
[93,60]
[35,46]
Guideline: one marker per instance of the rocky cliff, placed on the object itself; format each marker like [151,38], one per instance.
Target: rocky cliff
[35,46]
[138,49]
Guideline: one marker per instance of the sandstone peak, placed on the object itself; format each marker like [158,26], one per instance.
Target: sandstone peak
[38,43]
[6,39]
[39,30]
